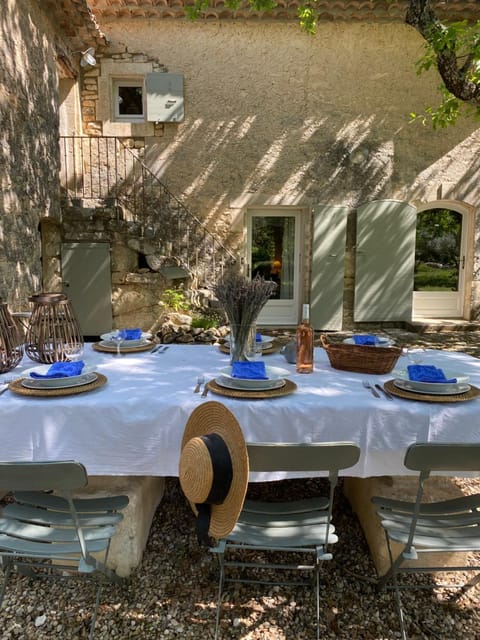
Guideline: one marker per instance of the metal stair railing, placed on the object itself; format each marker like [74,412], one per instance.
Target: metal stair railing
[105,172]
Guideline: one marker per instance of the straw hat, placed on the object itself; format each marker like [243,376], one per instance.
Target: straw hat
[213,469]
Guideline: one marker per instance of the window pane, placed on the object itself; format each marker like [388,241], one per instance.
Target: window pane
[437,251]
[273,252]
[130,101]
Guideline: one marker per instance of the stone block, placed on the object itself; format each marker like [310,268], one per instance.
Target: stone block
[145,494]
[359,492]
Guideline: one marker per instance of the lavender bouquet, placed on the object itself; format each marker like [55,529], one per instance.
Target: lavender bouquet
[242,300]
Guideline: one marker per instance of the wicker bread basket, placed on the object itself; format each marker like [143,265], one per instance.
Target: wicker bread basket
[360,358]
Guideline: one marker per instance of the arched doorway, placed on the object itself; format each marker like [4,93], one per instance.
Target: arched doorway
[443,260]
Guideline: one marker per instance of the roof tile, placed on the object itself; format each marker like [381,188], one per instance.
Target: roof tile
[329,10]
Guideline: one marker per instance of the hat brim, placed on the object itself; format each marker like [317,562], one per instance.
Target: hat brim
[214,417]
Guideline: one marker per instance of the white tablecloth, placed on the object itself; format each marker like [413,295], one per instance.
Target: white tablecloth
[134,424]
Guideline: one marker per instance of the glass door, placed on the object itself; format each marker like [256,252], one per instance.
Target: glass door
[439,264]
[273,251]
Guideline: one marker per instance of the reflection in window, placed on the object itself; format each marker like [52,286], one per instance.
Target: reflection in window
[128,96]
[273,252]
[437,250]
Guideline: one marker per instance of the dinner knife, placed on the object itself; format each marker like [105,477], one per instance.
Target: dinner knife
[387,394]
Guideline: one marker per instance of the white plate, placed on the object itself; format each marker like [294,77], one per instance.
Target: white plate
[273,374]
[50,382]
[239,385]
[266,341]
[59,383]
[109,340]
[382,341]
[125,344]
[434,388]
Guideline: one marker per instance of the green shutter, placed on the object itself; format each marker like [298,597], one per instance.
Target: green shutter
[165,102]
[384,261]
[328,266]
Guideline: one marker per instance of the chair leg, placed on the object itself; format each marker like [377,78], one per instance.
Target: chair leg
[398,601]
[7,564]
[95,611]
[317,571]
[220,592]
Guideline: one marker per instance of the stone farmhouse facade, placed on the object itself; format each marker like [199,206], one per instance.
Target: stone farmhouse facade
[243,118]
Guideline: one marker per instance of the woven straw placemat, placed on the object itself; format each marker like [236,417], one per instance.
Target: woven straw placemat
[265,352]
[472,393]
[16,387]
[113,349]
[288,388]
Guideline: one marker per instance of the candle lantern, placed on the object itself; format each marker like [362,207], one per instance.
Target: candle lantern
[53,333]
[11,345]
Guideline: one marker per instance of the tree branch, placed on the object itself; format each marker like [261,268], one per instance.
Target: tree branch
[456,77]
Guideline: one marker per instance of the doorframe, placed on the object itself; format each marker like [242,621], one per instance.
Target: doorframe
[302,222]
[466,248]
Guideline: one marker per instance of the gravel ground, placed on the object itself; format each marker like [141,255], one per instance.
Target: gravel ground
[173,593]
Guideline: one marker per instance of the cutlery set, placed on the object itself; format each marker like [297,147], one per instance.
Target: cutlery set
[375,393]
[200,382]
[160,348]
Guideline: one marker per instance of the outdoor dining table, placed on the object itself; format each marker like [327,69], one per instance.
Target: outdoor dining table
[133,424]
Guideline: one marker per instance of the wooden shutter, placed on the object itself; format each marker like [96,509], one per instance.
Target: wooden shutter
[165,102]
[328,266]
[385,260]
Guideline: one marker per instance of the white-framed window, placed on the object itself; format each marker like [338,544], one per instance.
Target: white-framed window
[128,99]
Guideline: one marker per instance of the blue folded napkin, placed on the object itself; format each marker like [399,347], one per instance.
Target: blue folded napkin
[365,339]
[61,370]
[249,370]
[130,334]
[427,373]
[258,337]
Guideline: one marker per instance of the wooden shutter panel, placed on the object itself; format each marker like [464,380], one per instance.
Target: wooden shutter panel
[384,261]
[328,266]
[165,102]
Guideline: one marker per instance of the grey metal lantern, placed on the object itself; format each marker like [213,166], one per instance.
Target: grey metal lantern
[11,344]
[53,333]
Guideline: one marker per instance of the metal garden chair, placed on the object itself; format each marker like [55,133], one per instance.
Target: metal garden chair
[301,527]
[434,527]
[54,535]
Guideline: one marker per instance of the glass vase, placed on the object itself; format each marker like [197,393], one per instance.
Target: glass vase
[242,341]
[11,344]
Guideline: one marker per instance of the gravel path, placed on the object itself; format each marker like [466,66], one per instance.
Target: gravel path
[172,595]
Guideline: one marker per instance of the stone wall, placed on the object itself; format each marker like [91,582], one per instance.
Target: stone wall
[277,117]
[28,143]
[136,289]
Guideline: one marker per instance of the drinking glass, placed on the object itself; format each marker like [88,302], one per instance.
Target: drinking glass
[416,355]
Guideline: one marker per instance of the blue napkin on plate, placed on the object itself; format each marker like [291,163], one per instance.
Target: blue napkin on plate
[61,370]
[130,334]
[427,373]
[249,370]
[258,337]
[365,339]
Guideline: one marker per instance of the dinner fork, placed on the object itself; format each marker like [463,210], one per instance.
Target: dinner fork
[367,385]
[200,381]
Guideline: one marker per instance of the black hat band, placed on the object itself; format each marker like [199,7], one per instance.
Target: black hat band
[221,482]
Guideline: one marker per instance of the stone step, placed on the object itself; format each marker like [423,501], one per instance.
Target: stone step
[442,326]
